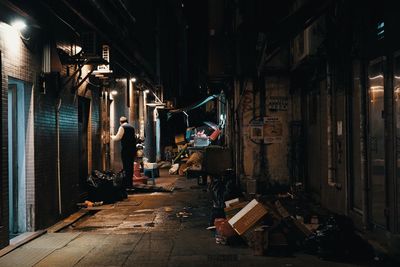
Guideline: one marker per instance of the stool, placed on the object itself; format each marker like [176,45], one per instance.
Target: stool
[151,174]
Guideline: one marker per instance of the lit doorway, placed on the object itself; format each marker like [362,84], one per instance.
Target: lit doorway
[18,132]
[377,143]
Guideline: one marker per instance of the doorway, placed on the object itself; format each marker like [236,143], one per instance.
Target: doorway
[18,108]
[377,143]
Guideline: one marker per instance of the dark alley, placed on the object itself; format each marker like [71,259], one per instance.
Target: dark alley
[200,133]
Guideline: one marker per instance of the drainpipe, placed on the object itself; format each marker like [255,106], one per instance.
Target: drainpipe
[330,132]
[58,155]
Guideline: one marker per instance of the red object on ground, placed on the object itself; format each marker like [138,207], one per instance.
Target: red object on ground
[215,135]
[223,227]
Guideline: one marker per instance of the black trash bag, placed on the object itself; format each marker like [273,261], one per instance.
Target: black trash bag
[106,186]
[336,240]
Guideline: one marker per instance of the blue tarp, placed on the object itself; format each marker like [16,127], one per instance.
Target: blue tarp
[194,106]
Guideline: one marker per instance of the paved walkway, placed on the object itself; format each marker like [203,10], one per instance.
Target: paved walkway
[154,229]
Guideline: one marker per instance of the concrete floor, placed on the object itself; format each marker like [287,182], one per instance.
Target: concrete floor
[144,230]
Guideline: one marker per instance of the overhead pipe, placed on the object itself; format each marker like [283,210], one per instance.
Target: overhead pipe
[122,4]
[99,8]
[60,18]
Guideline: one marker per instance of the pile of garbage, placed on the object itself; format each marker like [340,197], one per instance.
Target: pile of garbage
[282,224]
[106,186]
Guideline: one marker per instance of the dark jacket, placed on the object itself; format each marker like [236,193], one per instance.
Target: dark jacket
[128,141]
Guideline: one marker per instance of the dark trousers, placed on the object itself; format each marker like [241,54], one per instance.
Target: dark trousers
[127,164]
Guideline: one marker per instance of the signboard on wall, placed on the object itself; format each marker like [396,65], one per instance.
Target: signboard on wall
[267,129]
[272,130]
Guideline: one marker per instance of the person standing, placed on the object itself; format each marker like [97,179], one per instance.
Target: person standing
[126,134]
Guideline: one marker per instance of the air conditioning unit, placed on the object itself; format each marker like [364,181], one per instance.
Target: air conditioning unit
[307,42]
[300,46]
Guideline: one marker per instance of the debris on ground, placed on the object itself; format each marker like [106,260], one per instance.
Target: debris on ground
[285,222]
[89,204]
[186,212]
[174,169]
[153,188]
[183,214]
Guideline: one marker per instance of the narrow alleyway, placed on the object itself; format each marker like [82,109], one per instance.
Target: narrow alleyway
[149,229]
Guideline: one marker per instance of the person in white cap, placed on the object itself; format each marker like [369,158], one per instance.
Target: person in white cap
[126,134]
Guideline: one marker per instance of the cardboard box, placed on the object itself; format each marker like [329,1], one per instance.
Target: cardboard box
[248,216]
[231,202]
[232,210]
[281,210]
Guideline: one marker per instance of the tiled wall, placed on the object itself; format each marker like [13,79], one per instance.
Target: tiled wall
[16,62]
[96,131]
[42,197]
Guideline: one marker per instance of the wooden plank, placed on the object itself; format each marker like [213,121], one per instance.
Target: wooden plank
[68,221]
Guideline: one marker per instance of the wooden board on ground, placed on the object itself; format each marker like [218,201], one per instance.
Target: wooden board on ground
[68,221]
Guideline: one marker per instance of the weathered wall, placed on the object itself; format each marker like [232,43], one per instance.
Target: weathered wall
[275,166]
[277,154]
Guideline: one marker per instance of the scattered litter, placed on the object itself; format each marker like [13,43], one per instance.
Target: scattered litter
[89,204]
[174,169]
[168,209]
[183,214]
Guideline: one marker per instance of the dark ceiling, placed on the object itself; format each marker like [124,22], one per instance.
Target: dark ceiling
[168,42]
